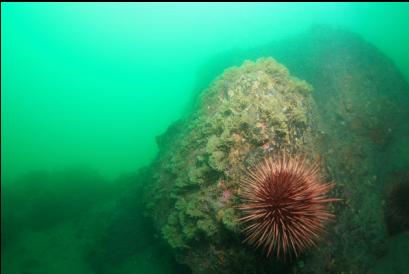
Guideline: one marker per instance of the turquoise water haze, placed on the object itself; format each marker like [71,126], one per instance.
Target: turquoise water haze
[95,83]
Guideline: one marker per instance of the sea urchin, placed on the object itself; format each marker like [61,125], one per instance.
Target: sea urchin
[284,205]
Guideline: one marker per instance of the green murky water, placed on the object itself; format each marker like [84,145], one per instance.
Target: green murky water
[86,88]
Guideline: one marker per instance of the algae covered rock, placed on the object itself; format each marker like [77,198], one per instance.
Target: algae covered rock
[362,103]
[247,113]
[395,260]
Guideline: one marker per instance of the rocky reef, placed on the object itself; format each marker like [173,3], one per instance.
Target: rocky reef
[362,102]
[334,105]
[352,121]
[247,113]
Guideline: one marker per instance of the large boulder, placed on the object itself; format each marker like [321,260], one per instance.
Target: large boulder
[249,112]
[353,123]
[362,100]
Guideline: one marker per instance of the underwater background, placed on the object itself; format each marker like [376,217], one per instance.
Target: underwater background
[88,91]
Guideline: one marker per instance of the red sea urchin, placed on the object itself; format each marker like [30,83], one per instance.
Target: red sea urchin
[284,205]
